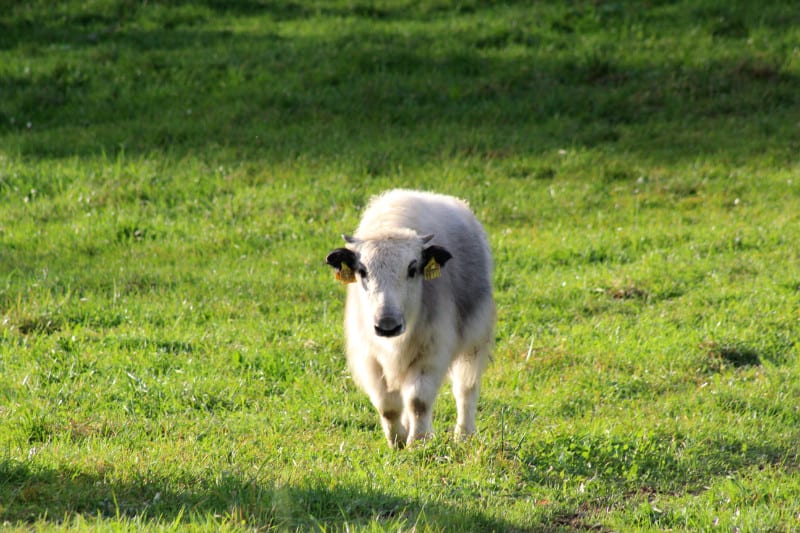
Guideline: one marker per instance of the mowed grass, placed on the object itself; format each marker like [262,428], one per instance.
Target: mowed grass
[172,175]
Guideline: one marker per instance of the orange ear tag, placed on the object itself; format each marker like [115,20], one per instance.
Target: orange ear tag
[345,274]
[432,270]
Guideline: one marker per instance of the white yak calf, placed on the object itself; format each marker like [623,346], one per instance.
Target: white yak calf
[419,306]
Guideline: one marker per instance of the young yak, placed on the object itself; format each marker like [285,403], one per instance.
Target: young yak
[419,306]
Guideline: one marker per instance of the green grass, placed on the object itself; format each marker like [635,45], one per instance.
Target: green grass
[172,175]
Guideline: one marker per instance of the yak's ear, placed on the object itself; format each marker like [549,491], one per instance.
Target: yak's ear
[434,257]
[344,261]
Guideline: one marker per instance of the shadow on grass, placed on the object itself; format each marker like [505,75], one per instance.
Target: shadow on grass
[160,79]
[656,462]
[776,348]
[32,494]
[653,461]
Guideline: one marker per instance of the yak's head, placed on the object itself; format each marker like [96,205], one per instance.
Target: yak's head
[389,271]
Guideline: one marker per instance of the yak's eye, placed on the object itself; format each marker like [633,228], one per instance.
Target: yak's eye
[362,272]
[412,269]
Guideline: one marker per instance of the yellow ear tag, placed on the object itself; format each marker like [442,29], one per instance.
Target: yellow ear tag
[432,270]
[345,274]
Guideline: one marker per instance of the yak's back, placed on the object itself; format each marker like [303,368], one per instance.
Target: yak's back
[422,212]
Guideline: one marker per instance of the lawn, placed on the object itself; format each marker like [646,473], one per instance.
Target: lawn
[172,175]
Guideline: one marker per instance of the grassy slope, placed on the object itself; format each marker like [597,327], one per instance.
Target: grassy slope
[172,174]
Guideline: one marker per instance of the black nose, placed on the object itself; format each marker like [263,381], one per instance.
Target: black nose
[388,327]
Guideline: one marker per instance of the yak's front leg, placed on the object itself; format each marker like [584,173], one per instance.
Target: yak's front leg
[389,404]
[419,393]
[390,409]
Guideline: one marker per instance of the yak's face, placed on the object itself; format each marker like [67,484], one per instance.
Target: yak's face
[389,273]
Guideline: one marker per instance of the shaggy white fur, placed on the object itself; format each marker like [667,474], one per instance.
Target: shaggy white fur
[407,328]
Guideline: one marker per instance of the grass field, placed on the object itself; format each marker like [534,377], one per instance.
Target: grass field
[173,173]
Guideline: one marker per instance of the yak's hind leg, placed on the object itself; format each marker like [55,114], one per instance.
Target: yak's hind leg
[465,373]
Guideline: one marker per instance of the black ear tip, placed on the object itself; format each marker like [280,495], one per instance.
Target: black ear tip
[339,256]
[440,254]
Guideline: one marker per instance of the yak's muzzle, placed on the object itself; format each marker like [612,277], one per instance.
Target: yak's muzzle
[389,326]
